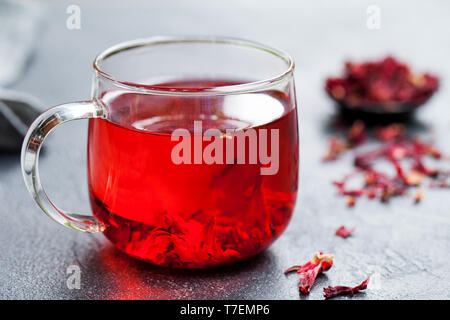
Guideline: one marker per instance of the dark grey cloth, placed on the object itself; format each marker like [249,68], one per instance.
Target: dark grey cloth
[17,112]
[19,23]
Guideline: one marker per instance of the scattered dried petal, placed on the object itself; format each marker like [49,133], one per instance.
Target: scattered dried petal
[395,147]
[308,272]
[371,194]
[386,195]
[397,152]
[357,133]
[291,269]
[308,278]
[418,196]
[331,292]
[414,178]
[439,184]
[350,200]
[390,132]
[370,177]
[336,147]
[343,232]
[351,193]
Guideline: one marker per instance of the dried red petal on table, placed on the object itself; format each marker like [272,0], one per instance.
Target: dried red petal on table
[414,178]
[432,151]
[357,133]
[418,196]
[439,184]
[371,194]
[396,152]
[351,192]
[308,272]
[426,148]
[331,292]
[390,132]
[343,232]
[396,146]
[350,201]
[364,160]
[386,194]
[336,147]
[308,278]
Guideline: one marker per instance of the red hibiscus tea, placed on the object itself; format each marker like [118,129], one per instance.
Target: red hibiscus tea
[188,165]
[191,215]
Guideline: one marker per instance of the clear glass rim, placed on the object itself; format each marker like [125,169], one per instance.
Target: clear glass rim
[221,90]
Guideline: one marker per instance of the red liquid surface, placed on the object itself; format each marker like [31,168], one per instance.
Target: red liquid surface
[189,215]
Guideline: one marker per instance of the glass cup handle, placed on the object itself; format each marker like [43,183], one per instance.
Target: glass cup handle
[31,147]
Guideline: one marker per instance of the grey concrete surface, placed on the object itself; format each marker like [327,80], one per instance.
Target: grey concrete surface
[405,247]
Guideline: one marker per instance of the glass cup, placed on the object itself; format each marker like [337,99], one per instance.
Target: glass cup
[192,149]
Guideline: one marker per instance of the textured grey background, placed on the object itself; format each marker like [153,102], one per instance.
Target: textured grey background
[405,247]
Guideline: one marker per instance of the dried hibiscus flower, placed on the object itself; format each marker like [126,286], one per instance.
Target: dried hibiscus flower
[395,146]
[390,132]
[343,232]
[414,178]
[440,184]
[308,272]
[336,147]
[383,83]
[418,196]
[350,200]
[331,292]
[356,135]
